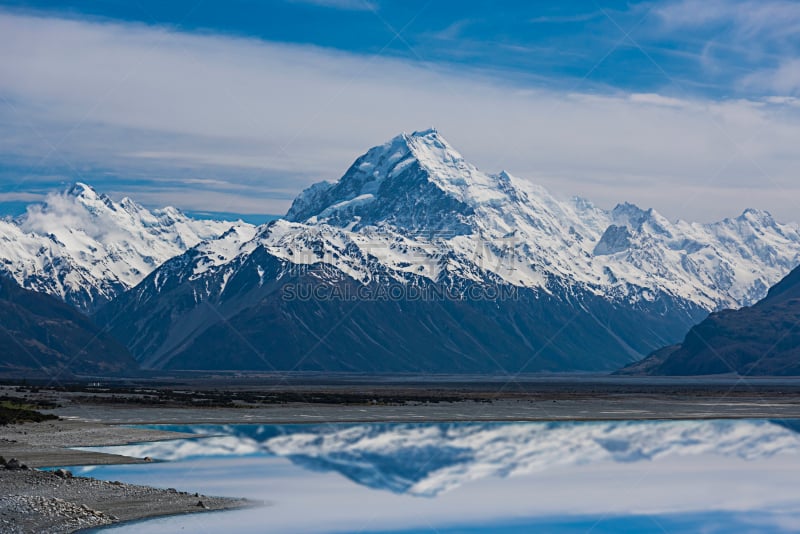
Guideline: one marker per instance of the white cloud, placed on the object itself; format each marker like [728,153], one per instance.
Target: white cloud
[658,100]
[21,197]
[770,19]
[150,102]
[192,199]
[68,214]
[783,79]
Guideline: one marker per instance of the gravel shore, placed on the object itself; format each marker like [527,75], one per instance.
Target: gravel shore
[44,502]
[34,501]
[44,444]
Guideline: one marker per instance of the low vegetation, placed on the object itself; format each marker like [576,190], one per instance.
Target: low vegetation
[17,411]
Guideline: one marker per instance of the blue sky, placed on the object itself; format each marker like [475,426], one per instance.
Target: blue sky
[554,43]
[688,106]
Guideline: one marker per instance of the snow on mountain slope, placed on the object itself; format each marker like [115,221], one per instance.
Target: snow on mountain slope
[427,460]
[84,248]
[418,192]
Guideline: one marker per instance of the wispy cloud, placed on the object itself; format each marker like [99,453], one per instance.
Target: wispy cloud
[784,79]
[768,19]
[566,19]
[452,31]
[658,100]
[21,197]
[757,38]
[348,5]
[173,118]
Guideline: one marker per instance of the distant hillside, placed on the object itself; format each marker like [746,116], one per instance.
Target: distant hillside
[763,339]
[39,332]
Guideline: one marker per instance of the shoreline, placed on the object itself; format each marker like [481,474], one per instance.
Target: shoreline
[229,401]
[47,501]
[44,502]
[49,443]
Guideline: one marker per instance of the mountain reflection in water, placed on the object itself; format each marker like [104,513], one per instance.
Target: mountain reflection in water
[428,459]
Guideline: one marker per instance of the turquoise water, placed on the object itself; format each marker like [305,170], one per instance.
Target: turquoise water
[665,476]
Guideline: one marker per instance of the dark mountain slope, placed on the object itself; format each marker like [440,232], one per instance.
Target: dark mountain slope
[763,339]
[272,315]
[40,333]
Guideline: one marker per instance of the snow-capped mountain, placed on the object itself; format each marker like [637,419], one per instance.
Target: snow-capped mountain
[418,184]
[85,249]
[425,460]
[532,282]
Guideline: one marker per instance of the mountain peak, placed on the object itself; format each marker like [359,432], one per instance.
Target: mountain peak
[629,214]
[425,146]
[85,197]
[82,190]
[416,181]
[82,247]
[756,216]
[430,132]
[431,149]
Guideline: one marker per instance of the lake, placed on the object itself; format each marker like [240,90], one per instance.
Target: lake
[634,476]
